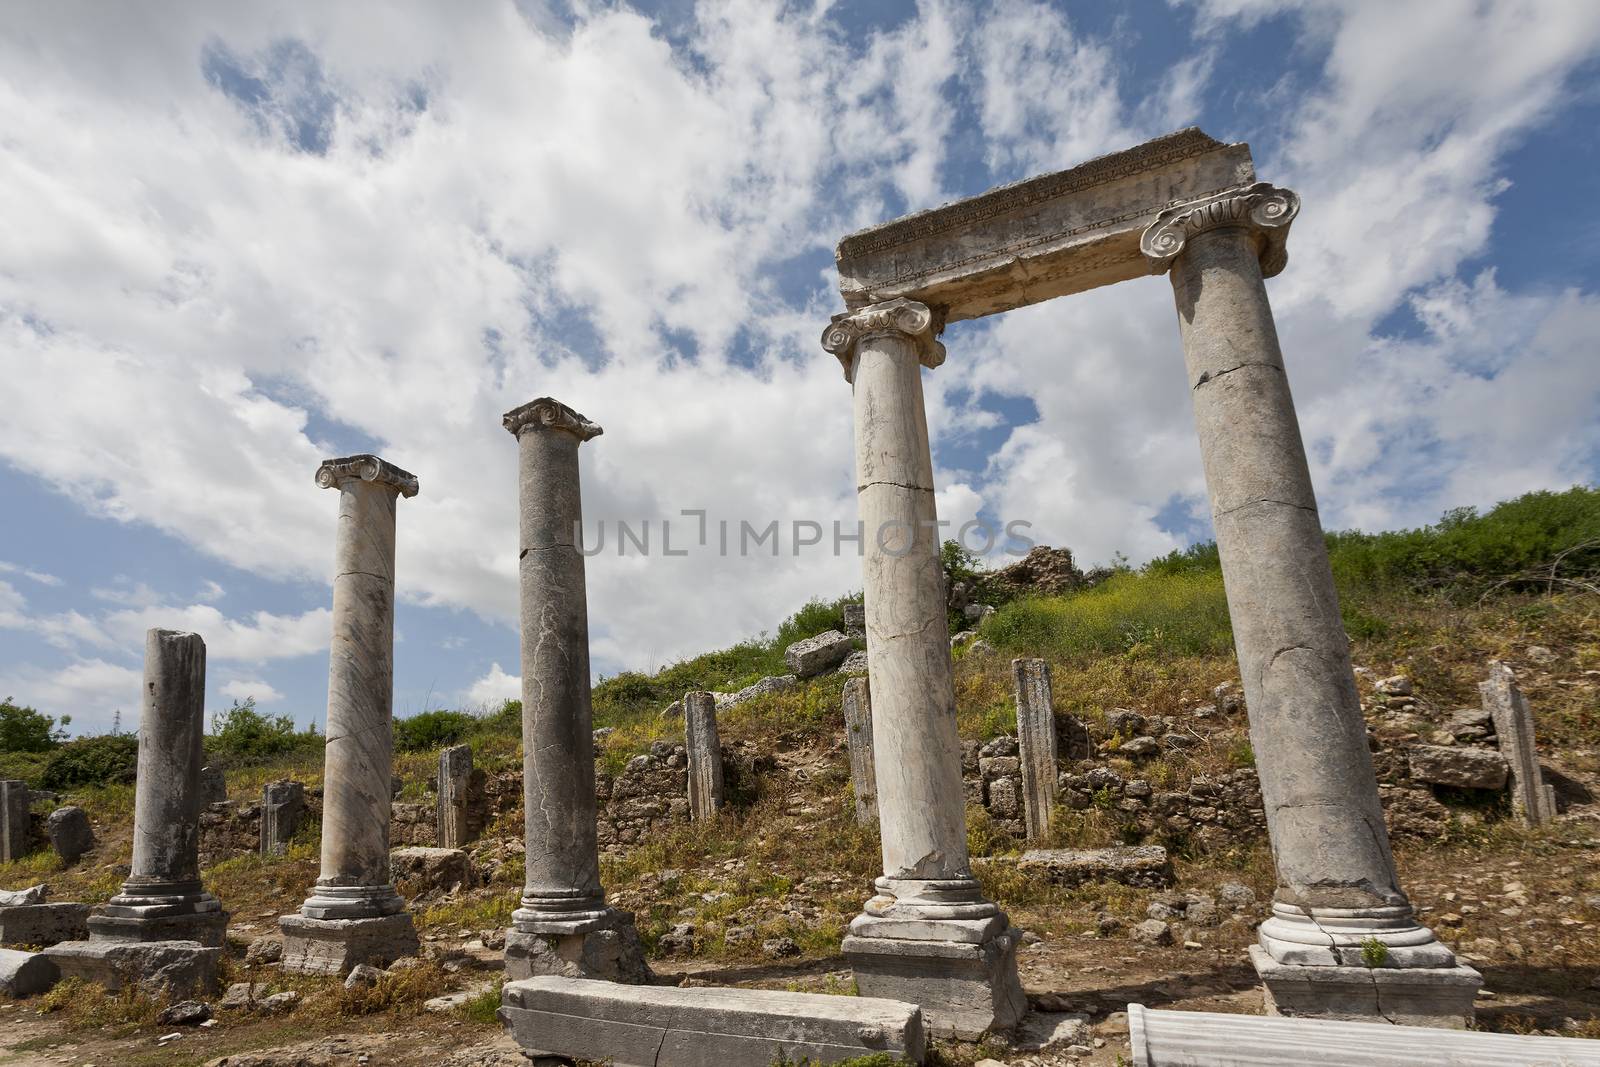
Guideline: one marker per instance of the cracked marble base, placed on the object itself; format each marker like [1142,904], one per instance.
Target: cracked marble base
[1337,937]
[334,946]
[605,947]
[965,989]
[1404,996]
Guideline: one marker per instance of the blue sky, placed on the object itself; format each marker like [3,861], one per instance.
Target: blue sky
[239,239]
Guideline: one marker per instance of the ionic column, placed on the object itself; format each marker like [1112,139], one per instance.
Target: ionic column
[1338,898]
[162,898]
[564,926]
[929,935]
[353,914]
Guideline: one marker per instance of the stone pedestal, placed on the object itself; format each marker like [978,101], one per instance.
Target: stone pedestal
[43,924]
[16,838]
[1036,743]
[353,914]
[704,747]
[564,925]
[1434,996]
[858,740]
[1337,889]
[455,779]
[929,935]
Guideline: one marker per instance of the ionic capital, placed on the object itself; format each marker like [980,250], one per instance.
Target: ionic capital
[1263,209]
[547,414]
[335,472]
[906,319]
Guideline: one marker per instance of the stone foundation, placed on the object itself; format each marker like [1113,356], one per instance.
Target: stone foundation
[964,989]
[334,946]
[175,969]
[1405,996]
[608,950]
[207,928]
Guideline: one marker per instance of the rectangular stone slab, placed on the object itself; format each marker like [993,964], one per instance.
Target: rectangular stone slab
[43,924]
[1044,237]
[664,1026]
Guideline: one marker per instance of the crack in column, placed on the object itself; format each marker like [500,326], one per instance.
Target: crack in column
[898,485]
[1266,500]
[1209,376]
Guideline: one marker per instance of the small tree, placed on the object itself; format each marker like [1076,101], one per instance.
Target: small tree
[23,729]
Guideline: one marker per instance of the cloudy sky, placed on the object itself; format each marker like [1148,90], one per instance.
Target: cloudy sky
[237,238]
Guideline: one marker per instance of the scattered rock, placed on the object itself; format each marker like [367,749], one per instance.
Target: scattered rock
[1462,768]
[279,1003]
[1139,748]
[1152,932]
[70,833]
[242,996]
[1042,1030]
[854,663]
[1396,686]
[16,898]
[779,948]
[432,870]
[1145,866]
[1236,895]
[263,950]
[1540,655]
[185,1013]
[362,976]
[815,655]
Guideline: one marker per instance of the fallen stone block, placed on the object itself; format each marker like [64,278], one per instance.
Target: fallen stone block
[70,833]
[34,894]
[43,924]
[432,869]
[818,654]
[1146,866]
[23,974]
[178,970]
[662,1026]
[1462,768]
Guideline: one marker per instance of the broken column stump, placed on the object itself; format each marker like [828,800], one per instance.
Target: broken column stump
[455,779]
[858,739]
[16,835]
[1533,801]
[1036,741]
[282,805]
[705,755]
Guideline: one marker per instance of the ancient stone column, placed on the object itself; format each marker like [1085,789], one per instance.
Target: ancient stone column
[929,935]
[564,926]
[1533,801]
[1342,939]
[282,804]
[455,779]
[162,899]
[1036,743]
[858,741]
[353,914]
[704,747]
[16,837]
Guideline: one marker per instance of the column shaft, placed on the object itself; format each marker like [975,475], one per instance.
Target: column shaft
[166,798]
[563,857]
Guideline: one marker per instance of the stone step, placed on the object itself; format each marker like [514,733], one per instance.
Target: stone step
[665,1026]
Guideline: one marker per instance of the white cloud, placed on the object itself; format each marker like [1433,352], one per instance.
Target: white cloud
[91,691]
[32,575]
[242,689]
[494,688]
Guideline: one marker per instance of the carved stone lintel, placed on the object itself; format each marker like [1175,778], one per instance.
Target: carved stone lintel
[369,469]
[1263,209]
[545,413]
[917,323]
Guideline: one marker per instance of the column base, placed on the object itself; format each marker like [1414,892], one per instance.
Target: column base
[963,972]
[601,945]
[352,902]
[1404,996]
[1344,937]
[208,928]
[334,946]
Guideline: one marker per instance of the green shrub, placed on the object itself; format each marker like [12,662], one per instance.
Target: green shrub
[1140,614]
[101,760]
[26,730]
[432,729]
[244,735]
[816,617]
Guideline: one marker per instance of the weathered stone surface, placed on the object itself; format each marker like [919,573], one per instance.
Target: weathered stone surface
[333,946]
[184,1013]
[353,903]
[776,683]
[283,804]
[1036,742]
[855,618]
[173,969]
[1045,237]
[70,833]
[162,899]
[362,976]
[43,924]
[705,755]
[608,950]
[817,655]
[965,988]
[213,786]
[661,1026]
[264,950]
[16,834]
[24,974]
[242,996]
[455,779]
[855,663]
[858,740]
[1152,932]
[1146,866]
[1463,768]
[1531,798]
[441,870]
[34,894]
[1405,996]
[1181,1038]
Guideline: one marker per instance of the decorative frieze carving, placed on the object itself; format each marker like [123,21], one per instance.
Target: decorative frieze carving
[547,413]
[368,469]
[1264,209]
[917,323]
